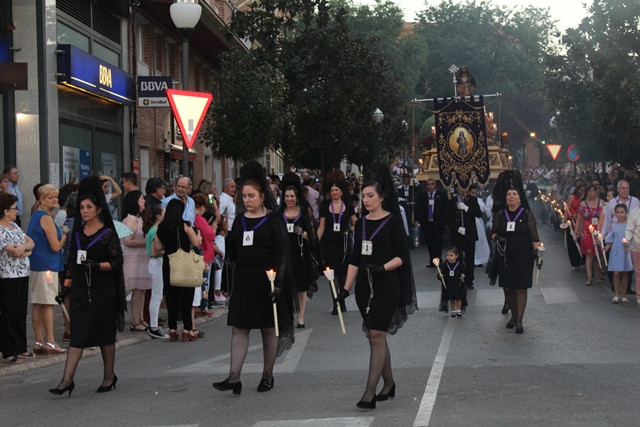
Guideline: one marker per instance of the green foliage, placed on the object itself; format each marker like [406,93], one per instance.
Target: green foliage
[595,87]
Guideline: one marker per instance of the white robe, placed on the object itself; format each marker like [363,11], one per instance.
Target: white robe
[482,245]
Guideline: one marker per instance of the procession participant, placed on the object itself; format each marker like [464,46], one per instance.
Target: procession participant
[431,212]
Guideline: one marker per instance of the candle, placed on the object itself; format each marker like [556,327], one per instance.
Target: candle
[272,277]
[595,246]
[329,274]
[436,262]
[601,240]
[539,261]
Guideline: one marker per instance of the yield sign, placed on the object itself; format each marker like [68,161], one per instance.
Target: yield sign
[554,150]
[189,108]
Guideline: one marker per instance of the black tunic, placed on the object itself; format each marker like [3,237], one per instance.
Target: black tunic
[516,266]
[336,246]
[93,306]
[301,252]
[250,306]
[389,242]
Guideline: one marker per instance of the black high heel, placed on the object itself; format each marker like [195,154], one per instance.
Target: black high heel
[265,385]
[367,405]
[505,309]
[106,388]
[511,325]
[520,330]
[384,396]
[61,391]
[226,385]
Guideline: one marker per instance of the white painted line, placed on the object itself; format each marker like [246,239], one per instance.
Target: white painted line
[431,391]
[319,422]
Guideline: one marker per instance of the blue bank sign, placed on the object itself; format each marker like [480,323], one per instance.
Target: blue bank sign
[80,70]
[152,91]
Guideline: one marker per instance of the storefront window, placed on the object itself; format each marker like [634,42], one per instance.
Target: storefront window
[67,35]
[106,54]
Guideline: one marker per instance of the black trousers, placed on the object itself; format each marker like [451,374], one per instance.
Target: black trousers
[13,316]
[179,300]
[434,235]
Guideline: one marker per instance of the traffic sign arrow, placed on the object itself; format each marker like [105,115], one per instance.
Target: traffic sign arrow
[189,108]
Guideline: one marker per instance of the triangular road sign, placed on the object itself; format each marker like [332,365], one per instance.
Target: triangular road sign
[554,150]
[189,108]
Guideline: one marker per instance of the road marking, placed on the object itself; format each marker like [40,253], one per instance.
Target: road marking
[319,422]
[220,364]
[431,391]
[559,295]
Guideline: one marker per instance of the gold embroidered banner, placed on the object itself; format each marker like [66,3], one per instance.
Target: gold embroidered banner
[461,139]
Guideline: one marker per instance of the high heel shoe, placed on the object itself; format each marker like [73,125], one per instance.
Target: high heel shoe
[226,385]
[511,325]
[384,396]
[38,349]
[106,388]
[505,309]
[173,335]
[265,385]
[519,330]
[61,391]
[186,336]
[367,405]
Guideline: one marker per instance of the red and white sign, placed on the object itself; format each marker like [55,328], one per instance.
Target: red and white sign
[189,108]
[554,150]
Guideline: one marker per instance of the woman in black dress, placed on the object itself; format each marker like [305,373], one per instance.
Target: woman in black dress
[337,218]
[256,244]
[383,293]
[93,273]
[179,299]
[516,235]
[301,242]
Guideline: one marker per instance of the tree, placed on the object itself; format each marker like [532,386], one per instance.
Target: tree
[595,88]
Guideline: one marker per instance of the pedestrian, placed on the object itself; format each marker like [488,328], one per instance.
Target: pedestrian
[151,218]
[13,176]
[302,240]
[452,272]
[174,233]
[15,247]
[380,270]
[93,282]
[431,213]
[516,235]
[154,189]
[587,222]
[571,214]
[258,243]
[337,219]
[45,262]
[182,189]
[619,261]
[136,259]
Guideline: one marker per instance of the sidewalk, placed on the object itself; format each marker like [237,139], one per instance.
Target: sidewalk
[123,339]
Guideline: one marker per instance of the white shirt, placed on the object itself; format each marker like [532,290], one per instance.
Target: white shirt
[226,204]
[312,198]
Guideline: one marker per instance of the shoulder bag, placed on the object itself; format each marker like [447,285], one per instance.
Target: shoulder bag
[185,268]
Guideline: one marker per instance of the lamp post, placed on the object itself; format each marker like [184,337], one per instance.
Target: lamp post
[185,14]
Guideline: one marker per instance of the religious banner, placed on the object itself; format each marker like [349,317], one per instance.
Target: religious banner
[461,139]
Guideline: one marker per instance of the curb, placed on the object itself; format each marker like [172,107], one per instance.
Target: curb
[123,339]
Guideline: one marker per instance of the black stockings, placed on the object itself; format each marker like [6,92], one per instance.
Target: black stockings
[379,364]
[240,346]
[74,355]
[517,304]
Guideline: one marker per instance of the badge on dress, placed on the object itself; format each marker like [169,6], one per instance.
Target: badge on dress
[336,227]
[367,247]
[452,273]
[247,238]
[511,226]
[594,221]
[431,202]
[406,193]
[81,257]
[290,227]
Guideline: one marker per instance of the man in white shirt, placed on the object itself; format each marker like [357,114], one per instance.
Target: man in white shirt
[227,205]
[608,214]
[182,186]
[13,176]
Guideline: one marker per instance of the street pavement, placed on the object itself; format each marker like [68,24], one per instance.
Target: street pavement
[577,363]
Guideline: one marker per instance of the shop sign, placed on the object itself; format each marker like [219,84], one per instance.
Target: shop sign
[152,91]
[80,70]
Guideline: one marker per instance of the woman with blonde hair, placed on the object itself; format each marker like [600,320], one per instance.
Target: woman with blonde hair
[46,262]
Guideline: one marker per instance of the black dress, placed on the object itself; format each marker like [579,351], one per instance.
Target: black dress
[250,306]
[336,245]
[378,301]
[301,252]
[93,306]
[515,263]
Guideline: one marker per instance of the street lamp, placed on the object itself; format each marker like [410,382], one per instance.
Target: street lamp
[185,14]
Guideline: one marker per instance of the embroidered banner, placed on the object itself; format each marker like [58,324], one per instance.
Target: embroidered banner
[461,140]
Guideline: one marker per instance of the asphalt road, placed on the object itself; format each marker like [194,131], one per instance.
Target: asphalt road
[577,363]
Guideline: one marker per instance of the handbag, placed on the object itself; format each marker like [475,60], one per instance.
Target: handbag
[185,268]
[218,262]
